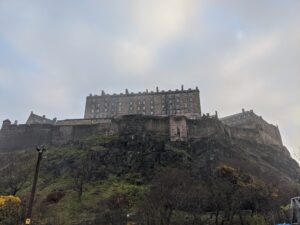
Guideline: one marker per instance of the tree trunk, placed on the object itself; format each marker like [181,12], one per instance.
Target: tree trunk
[241,218]
[217,217]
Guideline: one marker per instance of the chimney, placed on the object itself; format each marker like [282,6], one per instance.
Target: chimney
[182,87]
[102,93]
[126,91]
[157,90]
[146,90]
[216,114]
[243,110]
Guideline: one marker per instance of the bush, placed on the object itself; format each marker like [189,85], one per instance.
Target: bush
[9,210]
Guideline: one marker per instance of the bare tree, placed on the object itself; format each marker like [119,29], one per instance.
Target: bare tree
[80,175]
[15,173]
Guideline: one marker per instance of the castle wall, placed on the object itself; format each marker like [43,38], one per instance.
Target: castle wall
[205,127]
[173,128]
[255,135]
[143,125]
[64,134]
[24,136]
[269,134]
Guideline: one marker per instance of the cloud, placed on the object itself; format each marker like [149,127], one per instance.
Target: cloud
[240,54]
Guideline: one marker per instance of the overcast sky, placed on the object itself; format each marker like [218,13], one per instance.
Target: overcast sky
[241,54]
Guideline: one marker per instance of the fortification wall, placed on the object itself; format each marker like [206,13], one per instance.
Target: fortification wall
[205,127]
[268,133]
[143,125]
[16,137]
[254,135]
[24,136]
[174,128]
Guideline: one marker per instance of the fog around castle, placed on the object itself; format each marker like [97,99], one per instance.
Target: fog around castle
[241,54]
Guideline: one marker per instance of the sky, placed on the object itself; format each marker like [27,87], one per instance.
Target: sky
[240,53]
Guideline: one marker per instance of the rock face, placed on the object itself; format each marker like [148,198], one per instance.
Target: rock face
[138,154]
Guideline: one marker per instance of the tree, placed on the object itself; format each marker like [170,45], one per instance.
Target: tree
[80,175]
[15,173]
[172,190]
[233,191]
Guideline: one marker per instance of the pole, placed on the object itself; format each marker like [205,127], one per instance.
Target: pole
[33,190]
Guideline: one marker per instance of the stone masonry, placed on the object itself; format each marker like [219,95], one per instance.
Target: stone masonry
[248,120]
[159,103]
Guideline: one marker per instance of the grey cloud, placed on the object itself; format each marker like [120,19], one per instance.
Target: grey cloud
[239,53]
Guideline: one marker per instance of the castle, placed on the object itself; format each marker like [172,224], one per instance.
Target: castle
[172,115]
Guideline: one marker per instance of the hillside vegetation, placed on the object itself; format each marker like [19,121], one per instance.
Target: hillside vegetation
[140,180]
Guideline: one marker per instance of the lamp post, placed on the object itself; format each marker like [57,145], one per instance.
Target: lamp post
[40,150]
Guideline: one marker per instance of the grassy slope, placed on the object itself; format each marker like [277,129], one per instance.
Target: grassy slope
[269,163]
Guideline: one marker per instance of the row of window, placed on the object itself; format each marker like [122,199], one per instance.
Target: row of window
[139,108]
[97,115]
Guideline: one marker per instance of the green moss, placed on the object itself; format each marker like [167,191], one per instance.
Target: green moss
[181,152]
[98,140]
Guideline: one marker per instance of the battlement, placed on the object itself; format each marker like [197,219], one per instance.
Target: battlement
[146,92]
[249,120]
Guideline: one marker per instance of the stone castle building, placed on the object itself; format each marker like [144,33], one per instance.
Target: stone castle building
[171,115]
[158,103]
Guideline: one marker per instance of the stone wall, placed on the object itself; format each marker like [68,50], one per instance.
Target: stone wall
[24,136]
[269,134]
[178,128]
[173,128]
[17,137]
[157,127]
[206,127]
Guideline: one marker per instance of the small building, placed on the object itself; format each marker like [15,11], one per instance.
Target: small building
[36,119]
